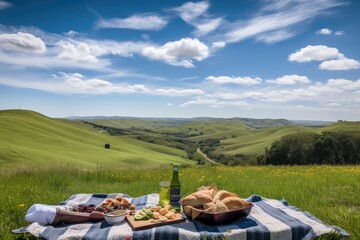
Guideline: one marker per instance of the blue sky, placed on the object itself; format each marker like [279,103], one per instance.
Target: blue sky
[293,59]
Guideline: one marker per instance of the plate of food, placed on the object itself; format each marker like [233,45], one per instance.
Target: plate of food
[212,206]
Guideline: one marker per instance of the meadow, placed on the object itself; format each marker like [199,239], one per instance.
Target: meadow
[331,193]
[46,160]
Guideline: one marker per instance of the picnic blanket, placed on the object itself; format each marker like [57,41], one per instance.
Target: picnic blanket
[269,219]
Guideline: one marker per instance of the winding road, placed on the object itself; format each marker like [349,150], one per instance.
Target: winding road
[206,157]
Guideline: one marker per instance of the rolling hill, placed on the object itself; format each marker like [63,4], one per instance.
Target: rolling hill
[30,139]
[237,135]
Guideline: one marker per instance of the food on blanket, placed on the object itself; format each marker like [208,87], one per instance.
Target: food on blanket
[163,211]
[87,208]
[115,217]
[108,205]
[220,207]
[235,203]
[158,213]
[223,194]
[119,202]
[209,205]
[197,199]
[170,215]
[155,208]
[212,200]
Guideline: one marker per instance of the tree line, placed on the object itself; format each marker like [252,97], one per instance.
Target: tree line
[342,147]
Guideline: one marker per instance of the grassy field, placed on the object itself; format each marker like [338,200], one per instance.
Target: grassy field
[29,138]
[331,193]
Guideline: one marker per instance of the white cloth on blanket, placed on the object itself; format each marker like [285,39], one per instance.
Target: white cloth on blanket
[41,213]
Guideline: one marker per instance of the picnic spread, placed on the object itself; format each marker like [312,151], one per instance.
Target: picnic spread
[263,218]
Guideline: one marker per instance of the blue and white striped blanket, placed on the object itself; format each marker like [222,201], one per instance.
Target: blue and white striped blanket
[269,219]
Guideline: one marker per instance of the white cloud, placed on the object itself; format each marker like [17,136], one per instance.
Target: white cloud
[196,15]
[325,31]
[72,33]
[339,33]
[275,16]
[314,53]
[4,4]
[23,42]
[190,10]
[333,104]
[206,26]
[214,103]
[235,80]
[275,36]
[290,80]
[218,44]
[178,92]
[169,104]
[178,53]
[344,84]
[80,52]
[137,22]
[342,63]
[76,83]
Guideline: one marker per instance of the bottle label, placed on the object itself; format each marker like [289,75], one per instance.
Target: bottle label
[175,196]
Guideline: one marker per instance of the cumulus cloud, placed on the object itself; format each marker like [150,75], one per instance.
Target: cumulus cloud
[136,22]
[314,53]
[4,4]
[290,80]
[178,53]
[342,63]
[80,52]
[23,42]
[344,84]
[331,57]
[234,80]
[325,31]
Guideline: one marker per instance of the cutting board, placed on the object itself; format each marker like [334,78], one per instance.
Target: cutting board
[144,224]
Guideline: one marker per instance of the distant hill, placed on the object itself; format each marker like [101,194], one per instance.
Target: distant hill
[149,123]
[312,123]
[31,139]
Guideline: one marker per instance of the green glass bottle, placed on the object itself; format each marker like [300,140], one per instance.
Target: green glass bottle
[175,195]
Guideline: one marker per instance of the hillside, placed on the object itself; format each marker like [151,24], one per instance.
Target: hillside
[30,139]
[256,141]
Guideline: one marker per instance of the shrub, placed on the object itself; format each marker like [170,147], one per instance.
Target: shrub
[107,145]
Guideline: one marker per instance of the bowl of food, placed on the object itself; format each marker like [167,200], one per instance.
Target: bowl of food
[115,217]
[212,206]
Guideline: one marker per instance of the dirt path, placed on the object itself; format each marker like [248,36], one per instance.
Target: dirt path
[206,157]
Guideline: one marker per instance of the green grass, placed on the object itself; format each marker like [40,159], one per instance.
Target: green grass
[331,193]
[29,138]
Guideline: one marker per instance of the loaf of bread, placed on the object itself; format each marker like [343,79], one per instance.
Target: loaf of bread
[210,199]
[224,194]
[233,202]
[197,199]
